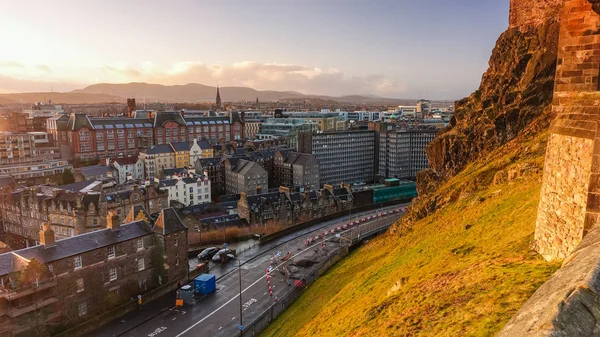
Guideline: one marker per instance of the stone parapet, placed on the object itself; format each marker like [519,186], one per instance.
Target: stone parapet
[527,13]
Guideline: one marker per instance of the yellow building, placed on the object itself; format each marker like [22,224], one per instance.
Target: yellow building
[182,154]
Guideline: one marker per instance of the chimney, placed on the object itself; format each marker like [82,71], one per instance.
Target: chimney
[112,221]
[47,237]
[131,107]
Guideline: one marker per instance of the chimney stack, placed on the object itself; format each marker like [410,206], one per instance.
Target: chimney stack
[112,221]
[131,107]
[47,237]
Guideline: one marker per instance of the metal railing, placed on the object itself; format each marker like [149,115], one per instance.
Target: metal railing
[353,236]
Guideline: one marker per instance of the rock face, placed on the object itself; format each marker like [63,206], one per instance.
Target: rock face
[525,14]
[515,90]
[569,303]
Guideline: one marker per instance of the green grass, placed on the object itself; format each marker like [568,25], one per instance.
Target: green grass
[462,271]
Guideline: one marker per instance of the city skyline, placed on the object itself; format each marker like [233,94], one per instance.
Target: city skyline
[395,49]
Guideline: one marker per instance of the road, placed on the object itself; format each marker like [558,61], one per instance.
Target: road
[218,314]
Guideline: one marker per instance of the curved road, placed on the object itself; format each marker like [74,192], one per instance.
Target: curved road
[218,314]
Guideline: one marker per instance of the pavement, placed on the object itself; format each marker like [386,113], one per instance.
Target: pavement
[218,314]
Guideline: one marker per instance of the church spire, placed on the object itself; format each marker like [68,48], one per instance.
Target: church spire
[218,101]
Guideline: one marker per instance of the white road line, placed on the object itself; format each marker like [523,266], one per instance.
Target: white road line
[250,286]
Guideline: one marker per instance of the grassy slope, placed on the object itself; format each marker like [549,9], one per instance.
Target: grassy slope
[462,271]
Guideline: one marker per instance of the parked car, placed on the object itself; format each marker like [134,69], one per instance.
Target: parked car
[207,254]
[221,254]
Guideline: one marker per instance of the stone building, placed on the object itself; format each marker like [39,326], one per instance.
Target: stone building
[187,190]
[127,169]
[288,208]
[244,176]
[62,282]
[213,168]
[343,156]
[70,210]
[293,169]
[30,147]
[569,204]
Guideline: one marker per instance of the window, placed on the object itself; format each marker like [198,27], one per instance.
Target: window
[112,274]
[82,309]
[95,222]
[176,242]
[50,268]
[176,259]
[140,244]
[141,265]
[78,263]
[79,285]
[121,134]
[111,252]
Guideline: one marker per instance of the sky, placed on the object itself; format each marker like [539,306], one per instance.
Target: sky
[436,49]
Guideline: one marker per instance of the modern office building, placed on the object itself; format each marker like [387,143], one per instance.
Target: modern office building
[343,156]
[289,128]
[402,150]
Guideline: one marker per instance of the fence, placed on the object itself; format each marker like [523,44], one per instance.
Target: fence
[255,327]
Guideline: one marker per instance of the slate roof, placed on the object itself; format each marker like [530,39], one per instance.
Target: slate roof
[80,244]
[168,222]
[62,122]
[225,221]
[161,117]
[188,180]
[170,172]
[125,161]
[167,183]
[76,187]
[6,263]
[95,170]
[161,148]
[210,162]
[258,199]
[181,146]
[205,144]
[78,121]
[342,194]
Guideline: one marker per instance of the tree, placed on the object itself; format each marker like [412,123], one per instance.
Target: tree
[67,177]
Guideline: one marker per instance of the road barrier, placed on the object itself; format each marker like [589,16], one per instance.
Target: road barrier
[334,254]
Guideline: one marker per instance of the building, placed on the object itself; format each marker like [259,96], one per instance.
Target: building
[423,108]
[200,150]
[187,190]
[70,209]
[127,169]
[343,156]
[362,116]
[81,137]
[289,128]
[34,119]
[402,150]
[244,176]
[156,159]
[94,172]
[213,169]
[293,169]
[288,208]
[181,151]
[29,147]
[78,278]
[35,170]
[325,120]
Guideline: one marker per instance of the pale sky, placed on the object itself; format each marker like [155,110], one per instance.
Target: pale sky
[394,48]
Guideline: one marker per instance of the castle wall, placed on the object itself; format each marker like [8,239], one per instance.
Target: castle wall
[525,13]
[570,197]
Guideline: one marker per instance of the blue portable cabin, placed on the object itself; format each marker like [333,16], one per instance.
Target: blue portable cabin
[205,284]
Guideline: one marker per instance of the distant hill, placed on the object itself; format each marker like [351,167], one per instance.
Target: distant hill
[194,92]
[58,98]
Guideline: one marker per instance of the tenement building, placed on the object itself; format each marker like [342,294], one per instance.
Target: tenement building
[59,283]
[71,209]
[244,176]
[294,169]
[343,156]
[402,150]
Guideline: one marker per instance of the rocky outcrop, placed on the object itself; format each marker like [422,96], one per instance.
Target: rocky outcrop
[569,303]
[516,89]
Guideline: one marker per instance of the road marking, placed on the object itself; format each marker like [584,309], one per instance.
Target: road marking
[174,318]
[220,328]
[157,331]
[243,291]
[232,318]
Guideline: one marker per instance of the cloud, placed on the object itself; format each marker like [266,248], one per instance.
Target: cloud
[44,68]
[124,72]
[10,64]
[272,76]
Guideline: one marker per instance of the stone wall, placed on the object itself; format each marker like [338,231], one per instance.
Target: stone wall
[524,13]
[569,303]
[563,200]
[570,198]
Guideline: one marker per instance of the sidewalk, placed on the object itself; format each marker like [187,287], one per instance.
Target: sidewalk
[145,313]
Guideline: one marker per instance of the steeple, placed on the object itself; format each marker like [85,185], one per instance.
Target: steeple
[218,101]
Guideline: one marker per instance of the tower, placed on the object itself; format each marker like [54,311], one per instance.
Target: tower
[569,204]
[218,100]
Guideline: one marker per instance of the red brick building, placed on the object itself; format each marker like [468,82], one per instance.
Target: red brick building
[82,137]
